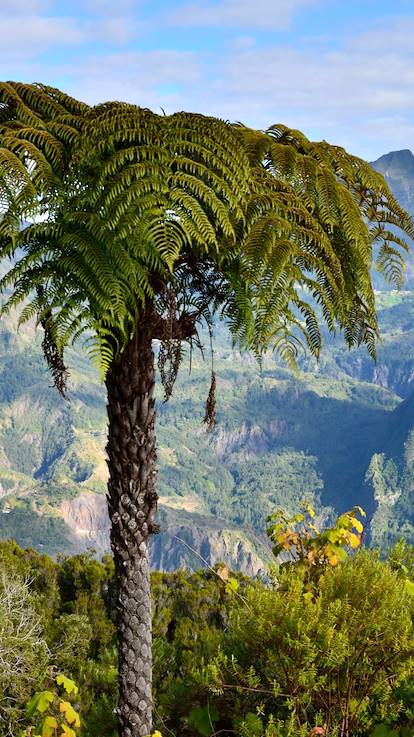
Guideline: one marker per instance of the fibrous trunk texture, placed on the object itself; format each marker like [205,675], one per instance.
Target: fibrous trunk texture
[132,501]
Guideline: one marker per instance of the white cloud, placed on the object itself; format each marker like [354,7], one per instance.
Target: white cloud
[31,33]
[261,14]
[359,95]
[296,79]
[27,7]
[109,7]
[382,37]
[25,36]
[29,27]
[116,30]
[114,22]
[150,79]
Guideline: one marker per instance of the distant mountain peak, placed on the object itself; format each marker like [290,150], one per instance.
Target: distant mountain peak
[401,155]
[398,169]
[396,165]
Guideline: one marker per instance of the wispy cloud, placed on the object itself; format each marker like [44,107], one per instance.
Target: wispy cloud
[150,79]
[241,14]
[355,89]
[29,34]
[109,7]
[27,7]
[28,30]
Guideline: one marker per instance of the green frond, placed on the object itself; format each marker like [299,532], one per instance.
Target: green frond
[272,231]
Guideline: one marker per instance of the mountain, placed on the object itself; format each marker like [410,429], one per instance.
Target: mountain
[340,433]
[398,169]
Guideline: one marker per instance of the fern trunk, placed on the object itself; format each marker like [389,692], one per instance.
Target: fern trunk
[132,503]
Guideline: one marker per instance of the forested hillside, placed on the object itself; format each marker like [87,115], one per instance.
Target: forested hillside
[338,433]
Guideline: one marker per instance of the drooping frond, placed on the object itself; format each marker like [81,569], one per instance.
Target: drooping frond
[52,353]
[323,231]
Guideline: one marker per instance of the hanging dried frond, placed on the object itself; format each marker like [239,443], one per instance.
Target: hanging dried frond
[210,415]
[169,360]
[168,309]
[54,358]
[170,353]
[52,353]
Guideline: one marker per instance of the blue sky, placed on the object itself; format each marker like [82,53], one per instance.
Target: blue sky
[337,69]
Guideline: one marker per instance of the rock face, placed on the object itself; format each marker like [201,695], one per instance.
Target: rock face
[395,374]
[251,440]
[186,540]
[398,168]
[204,541]
[87,519]
[390,477]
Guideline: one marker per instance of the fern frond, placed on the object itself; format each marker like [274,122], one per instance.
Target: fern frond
[268,229]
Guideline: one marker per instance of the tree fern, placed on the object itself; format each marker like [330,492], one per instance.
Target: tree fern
[152,224]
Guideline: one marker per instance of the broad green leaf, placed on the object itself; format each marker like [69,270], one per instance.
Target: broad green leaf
[344,522]
[232,586]
[40,702]
[71,715]
[409,586]
[354,540]
[49,726]
[333,535]
[358,525]
[67,731]
[254,724]
[69,685]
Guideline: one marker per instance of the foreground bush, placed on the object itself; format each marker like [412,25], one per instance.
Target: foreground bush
[333,660]
[24,653]
[327,651]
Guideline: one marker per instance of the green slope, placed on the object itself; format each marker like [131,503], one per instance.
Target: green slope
[279,438]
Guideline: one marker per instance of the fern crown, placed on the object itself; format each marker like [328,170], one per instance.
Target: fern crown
[186,215]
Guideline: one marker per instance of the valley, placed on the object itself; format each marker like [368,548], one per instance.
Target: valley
[339,433]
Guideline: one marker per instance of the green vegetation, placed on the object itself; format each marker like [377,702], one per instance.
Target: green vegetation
[337,660]
[279,437]
[324,647]
[23,650]
[151,226]
[52,713]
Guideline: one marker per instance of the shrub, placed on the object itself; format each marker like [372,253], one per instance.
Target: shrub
[24,655]
[333,660]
